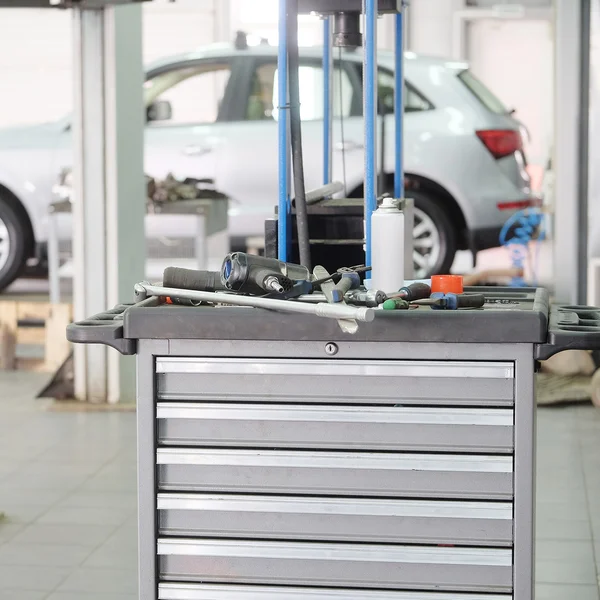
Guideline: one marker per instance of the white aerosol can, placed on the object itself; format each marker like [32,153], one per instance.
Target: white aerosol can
[387,247]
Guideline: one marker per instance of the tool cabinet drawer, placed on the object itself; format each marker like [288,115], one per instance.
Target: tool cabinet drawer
[320,381]
[336,473]
[335,519]
[186,591]
[336,565]
[397,428]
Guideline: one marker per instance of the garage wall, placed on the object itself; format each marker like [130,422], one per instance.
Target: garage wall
[36,56]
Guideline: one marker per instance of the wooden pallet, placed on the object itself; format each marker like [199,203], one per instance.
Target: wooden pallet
[34,324]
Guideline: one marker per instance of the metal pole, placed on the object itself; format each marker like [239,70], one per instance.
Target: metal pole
[282,122]
[370,110]
[338,310]
[399,105]
[327,102]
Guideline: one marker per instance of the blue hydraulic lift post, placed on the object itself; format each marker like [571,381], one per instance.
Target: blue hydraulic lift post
[399,105]
[370,108]
[327,94]
[283,213]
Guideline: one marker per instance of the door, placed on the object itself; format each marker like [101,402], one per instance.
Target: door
[187,125]
[249,156]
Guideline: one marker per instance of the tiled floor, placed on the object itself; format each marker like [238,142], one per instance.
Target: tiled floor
[67,486]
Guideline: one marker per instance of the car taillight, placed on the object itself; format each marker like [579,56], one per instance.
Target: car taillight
[501,142]
[520,204]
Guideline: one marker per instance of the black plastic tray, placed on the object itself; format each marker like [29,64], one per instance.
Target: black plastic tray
[510,316]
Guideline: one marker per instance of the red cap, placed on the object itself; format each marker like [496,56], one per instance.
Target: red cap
[447,284]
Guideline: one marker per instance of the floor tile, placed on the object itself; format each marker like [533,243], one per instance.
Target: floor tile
[549,550]
[551,591]
[9,530]
[566,571]
[86,516]
[19,496]
[22,595]
[106,499]
[119,551]
[101,581]
[45,579]
[562,529]
[22,513]
[91,536]
[568,511]
[50,555]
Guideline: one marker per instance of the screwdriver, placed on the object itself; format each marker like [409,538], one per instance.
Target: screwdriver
[441,301]
[412,292]
[396,304]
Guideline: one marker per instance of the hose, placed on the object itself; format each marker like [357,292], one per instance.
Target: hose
[523,225]
[296,134]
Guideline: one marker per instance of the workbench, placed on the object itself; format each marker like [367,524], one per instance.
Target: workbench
[280,458]
[210,215]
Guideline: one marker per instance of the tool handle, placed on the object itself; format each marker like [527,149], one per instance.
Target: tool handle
[415,291]
[349,281]
[190,279]
[343,311]
[455,301]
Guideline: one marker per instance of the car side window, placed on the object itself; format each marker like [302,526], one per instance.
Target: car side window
[263,101]
[193,94]
[414,101]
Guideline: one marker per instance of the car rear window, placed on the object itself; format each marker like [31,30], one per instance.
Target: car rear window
[482,93]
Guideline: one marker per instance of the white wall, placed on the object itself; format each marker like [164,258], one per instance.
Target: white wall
[36,57]
[35,65]
[430,24]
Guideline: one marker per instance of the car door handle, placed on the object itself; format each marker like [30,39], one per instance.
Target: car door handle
[194,150]
[348,146]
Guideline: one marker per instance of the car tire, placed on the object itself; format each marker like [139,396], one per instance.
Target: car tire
[432,226]
[15,240]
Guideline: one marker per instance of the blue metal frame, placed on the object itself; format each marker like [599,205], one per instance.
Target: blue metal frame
[370,110]
[327,116]
[284,210]
[399,106]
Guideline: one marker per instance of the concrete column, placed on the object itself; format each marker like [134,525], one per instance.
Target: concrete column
[594,182]
[108,173]
[567,151]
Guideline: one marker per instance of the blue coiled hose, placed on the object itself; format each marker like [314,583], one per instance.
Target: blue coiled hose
[516,234]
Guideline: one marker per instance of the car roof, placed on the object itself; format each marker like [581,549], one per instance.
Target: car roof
[228,50]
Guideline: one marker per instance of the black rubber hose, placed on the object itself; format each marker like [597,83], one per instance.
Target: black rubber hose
[296,133]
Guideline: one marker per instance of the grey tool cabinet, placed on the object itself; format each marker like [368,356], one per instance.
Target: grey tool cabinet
[281,459]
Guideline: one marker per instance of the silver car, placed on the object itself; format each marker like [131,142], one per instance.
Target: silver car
[212,114]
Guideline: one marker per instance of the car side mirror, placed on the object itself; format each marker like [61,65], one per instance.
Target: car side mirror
[161,110]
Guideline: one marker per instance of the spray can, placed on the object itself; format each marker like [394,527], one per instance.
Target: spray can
[387,247]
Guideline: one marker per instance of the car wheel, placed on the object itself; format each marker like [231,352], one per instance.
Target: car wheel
[14,236]
[434,237]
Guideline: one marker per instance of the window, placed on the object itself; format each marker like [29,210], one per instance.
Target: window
[413,101]
[194,93]
[482,93]
[263,100]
